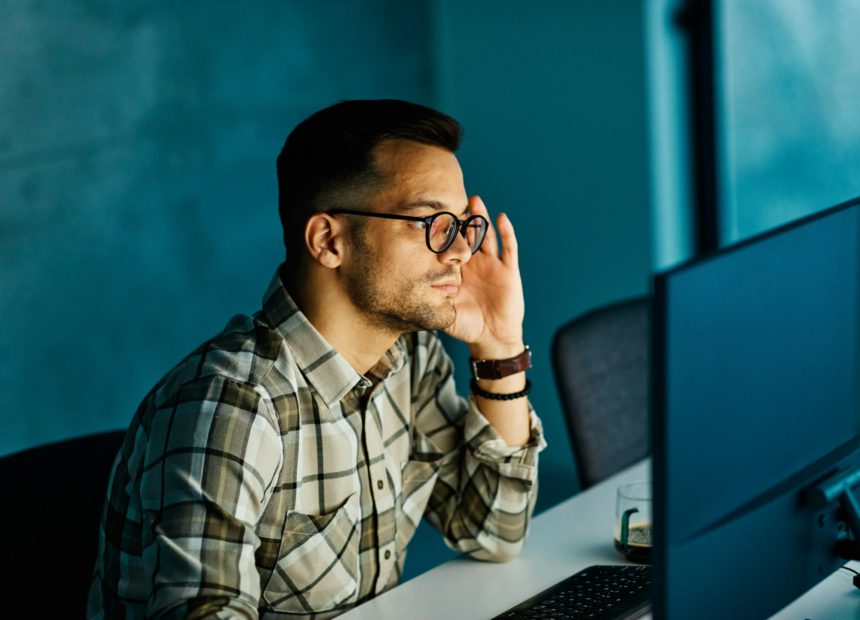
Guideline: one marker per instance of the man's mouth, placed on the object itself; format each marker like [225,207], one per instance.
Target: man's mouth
[448,283]
[449,288]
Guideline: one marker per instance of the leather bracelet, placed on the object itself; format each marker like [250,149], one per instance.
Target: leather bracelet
[498,369]
[494,396]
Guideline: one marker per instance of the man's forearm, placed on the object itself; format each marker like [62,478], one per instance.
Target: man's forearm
[510,418]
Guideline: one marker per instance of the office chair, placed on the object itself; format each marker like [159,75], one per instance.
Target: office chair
[601,362]
[52,504]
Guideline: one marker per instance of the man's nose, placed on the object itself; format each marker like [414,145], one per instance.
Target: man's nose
[459,251]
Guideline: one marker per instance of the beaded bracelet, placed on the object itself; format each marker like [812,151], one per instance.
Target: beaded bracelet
[494,396]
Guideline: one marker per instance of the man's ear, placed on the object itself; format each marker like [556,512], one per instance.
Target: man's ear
[324,240]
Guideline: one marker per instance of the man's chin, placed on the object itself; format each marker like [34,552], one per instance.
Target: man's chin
[441,318]
[438,323]
[427,318]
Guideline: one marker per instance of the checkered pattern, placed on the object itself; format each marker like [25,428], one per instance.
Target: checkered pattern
[263,476]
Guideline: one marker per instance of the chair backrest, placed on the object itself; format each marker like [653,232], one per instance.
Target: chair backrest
[52,503]
[601,364]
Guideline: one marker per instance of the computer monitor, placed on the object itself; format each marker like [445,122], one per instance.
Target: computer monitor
[755,424]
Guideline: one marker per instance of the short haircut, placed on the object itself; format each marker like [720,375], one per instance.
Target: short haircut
[328,158]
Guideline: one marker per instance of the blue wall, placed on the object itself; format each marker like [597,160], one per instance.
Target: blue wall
[553,101]
[138,191]
[138,198]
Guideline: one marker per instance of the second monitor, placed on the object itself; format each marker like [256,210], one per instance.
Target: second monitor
[755,404]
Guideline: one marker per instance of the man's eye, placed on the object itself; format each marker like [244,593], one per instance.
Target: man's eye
[418,224]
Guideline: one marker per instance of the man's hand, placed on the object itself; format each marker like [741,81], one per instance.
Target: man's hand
[490,306]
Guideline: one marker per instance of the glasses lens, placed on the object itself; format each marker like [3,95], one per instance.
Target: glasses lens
[475,229]
[442,231]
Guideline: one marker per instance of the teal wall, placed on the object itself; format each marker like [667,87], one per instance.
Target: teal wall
[138,198]
[553,101]
[138,191]
[669,153]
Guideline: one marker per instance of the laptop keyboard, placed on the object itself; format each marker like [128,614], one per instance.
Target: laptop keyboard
[597,592]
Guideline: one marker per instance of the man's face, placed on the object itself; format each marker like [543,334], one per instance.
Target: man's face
[392,277]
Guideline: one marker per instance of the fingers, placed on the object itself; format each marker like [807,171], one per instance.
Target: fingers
[491,243]
[510,253]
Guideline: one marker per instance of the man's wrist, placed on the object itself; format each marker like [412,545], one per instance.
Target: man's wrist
[500,367]
[496,351]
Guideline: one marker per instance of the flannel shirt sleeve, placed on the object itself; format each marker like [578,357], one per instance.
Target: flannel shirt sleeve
[213,455]
[485,491]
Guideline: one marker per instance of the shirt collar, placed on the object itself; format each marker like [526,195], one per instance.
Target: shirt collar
[324,368]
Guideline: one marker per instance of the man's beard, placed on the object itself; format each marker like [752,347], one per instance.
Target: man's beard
[397,310]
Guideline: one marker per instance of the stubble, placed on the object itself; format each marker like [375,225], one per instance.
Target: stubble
[393,306]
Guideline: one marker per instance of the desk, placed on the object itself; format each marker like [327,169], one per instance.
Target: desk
[566,538]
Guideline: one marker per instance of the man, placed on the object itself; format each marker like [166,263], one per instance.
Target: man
[280,470]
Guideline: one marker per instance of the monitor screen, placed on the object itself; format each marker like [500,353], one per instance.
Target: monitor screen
[755,384]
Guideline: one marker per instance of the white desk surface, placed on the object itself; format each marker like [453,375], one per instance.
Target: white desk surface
[562,540]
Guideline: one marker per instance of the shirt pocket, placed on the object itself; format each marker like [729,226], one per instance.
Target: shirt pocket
[317,568]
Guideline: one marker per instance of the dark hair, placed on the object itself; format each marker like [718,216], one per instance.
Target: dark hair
[328,157]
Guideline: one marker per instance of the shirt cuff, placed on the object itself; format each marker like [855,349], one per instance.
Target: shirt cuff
[487,445]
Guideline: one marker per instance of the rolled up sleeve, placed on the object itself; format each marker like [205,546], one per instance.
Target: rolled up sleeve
[485,491]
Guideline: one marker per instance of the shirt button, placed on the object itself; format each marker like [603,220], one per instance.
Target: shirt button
[387,553]
[380,484]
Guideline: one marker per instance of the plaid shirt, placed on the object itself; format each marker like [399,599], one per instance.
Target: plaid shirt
[264,475]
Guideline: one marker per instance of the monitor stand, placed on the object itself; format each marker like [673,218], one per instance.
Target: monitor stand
[839,487]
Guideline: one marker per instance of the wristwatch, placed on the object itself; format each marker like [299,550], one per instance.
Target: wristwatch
[496,369]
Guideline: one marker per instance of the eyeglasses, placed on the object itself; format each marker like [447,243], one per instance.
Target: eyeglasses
[440,228]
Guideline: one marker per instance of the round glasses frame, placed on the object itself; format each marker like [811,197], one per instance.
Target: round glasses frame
[462,226]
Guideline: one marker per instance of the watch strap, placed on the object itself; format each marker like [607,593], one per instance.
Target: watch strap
[498,369]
